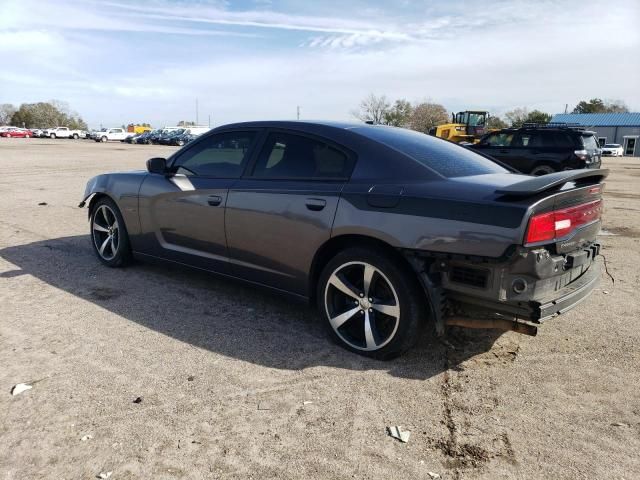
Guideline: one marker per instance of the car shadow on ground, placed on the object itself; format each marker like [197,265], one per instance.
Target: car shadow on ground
[221,315]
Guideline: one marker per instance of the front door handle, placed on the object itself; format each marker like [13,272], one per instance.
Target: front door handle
[214,200]
[315,204]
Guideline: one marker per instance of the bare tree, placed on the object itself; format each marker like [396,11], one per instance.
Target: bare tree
[517,116]
[428,115]
[6,112]
[373,109]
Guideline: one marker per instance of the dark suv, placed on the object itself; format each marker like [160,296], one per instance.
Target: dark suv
[541,149]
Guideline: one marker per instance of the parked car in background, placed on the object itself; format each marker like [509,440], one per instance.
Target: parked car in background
[542,149]
[384,228]
[62,132]
[36,132]
[111,134]
[165,139]
[17,133]
[157,134]
[131,138]
[612,149]
[182,139]
[145,138]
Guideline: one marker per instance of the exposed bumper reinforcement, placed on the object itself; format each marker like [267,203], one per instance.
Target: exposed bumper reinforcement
[569,296]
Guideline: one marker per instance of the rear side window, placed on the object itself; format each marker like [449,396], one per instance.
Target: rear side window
[526,139]
[441,156]
[286,155]
[220,156]
[563,140]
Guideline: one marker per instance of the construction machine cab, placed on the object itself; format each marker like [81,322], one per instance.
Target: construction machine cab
[475,122]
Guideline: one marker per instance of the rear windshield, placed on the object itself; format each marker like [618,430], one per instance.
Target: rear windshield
[445,158]
[589,142]
[612,145]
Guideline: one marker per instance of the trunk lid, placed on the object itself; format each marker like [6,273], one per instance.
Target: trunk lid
[566,206]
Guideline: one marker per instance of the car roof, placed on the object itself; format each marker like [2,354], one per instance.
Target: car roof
[546,129]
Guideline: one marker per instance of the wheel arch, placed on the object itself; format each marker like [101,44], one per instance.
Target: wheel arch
[334,245]
[93,199]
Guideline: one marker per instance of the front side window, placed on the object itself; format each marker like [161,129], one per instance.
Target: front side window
[220,156]
[292,156]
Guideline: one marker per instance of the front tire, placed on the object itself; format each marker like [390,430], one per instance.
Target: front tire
[109,235]
[76,136]
[103,139]
[372,305]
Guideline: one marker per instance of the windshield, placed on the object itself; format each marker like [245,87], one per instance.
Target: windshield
[445,158]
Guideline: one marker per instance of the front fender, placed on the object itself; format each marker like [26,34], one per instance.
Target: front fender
[123,189]
[95,185]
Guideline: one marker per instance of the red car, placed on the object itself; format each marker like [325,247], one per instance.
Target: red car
[17,133]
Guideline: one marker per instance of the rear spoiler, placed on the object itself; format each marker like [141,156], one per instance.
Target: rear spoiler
[535,185]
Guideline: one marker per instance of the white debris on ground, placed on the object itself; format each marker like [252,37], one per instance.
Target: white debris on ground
[19,388]
[398,433]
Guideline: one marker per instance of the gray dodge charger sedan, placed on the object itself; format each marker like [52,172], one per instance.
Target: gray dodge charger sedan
[386,229]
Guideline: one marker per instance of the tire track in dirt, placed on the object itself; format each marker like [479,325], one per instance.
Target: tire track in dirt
[460,455]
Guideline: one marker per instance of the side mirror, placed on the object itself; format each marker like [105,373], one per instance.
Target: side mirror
[157,165]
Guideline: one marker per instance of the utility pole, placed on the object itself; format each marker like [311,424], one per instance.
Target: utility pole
[209,120]
[298,111]
[196,110]
[566,107]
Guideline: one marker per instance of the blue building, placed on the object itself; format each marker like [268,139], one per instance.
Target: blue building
[622,128]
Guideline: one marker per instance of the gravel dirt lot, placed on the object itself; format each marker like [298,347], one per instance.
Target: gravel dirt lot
[238,383]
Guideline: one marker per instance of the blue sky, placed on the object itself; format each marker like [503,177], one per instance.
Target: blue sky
[118,62]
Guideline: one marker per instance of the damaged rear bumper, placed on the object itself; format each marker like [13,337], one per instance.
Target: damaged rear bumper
[517,293]
[536,311]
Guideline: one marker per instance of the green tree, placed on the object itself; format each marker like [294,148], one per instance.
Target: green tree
[399,115]
[597,105]
[495,121]
[47,114]
[536,116]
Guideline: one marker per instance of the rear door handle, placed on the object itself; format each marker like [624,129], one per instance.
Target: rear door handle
[214,200]
[315,204]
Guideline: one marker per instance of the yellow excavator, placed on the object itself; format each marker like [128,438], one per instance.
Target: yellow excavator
[466,127]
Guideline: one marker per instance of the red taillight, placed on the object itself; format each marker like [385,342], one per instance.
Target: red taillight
[560,223]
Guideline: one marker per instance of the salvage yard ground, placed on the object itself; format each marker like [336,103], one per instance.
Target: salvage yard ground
[235,382]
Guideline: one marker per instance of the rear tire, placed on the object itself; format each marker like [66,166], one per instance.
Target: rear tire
[53,135]
[539,170]
[76,136]
[109,236]
[103,139]
[371,304]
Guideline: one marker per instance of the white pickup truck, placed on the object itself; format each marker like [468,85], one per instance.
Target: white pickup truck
[62,132]
[111,134]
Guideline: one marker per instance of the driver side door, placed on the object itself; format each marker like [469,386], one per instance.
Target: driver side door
[182,213]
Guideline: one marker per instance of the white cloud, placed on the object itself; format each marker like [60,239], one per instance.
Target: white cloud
[541,55]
